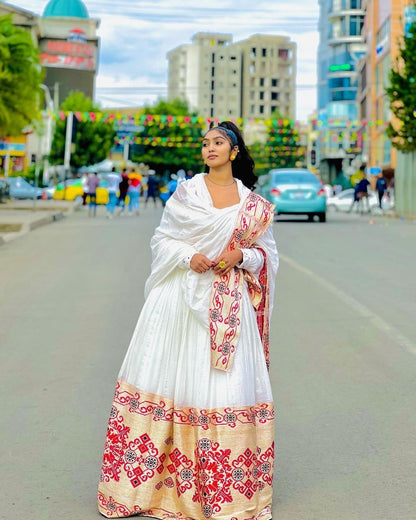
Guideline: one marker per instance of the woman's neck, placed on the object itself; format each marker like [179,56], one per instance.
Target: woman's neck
[222,175]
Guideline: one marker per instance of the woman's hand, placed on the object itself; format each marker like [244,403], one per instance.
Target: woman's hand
[200,263]
[227,261]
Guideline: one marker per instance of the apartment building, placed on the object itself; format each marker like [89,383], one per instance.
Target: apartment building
[253,78]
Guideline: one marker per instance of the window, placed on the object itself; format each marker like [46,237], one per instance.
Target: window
[275,96]
[275,82]
[283,54]
[212,85]
[252,109]
[253,52]
[212,98]
[213,57]
[264,52]
[261,82]
[356,24]
[212,71]
[261,109]
[261,95]
[233,57]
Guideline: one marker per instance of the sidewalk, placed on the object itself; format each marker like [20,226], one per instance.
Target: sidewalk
[21,216]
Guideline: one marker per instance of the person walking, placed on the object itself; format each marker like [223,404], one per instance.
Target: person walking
[190,433]
[93,183]
[123,188]
[381,187]
[152,186]
[84,182]
[362,192]
[134,195]
[113,179]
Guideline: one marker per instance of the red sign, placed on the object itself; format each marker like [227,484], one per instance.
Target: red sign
[65,47]
[67,62]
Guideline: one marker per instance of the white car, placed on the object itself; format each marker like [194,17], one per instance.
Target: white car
[343,201]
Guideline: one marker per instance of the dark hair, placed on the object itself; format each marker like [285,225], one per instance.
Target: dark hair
[243,164]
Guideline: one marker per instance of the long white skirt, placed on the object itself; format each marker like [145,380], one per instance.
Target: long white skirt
[186,441]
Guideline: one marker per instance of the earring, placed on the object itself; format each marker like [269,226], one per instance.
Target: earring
[232,157]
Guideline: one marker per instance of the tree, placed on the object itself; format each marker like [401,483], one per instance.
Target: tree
[20,78]
[281,149]
[93,139]
[402,95]
[170,137]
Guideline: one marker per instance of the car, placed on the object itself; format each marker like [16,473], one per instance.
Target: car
[294,191]
[343,201]
[19,188]
[72,190]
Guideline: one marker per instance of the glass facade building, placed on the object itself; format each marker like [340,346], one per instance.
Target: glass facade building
[341,46]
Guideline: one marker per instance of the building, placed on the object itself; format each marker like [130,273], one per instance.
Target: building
[253,78]
[68,44]
[384,25]
[341,46]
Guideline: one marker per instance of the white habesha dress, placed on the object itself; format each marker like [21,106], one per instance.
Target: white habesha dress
[185,440]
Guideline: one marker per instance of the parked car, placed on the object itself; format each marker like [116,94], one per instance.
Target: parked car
[294,191]
[343,201]
[19,188]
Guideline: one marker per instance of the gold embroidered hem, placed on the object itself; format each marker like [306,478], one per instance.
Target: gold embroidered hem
[186,463]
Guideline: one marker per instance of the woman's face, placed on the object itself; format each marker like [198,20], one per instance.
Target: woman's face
[216,149]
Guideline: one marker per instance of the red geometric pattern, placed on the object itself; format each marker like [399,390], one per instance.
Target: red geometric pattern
[253,218]
[208,472]
[213,477]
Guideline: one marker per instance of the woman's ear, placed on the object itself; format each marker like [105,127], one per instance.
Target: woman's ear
[234,153]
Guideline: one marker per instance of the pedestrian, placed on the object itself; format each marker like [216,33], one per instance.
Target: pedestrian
[381,187]
[190,433]
[152,186]
[172,184]
[134,195]
[93,183]
[84,182]
[123,187]
[113,180]
[362,191]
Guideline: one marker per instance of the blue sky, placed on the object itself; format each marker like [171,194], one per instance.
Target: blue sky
[136,36]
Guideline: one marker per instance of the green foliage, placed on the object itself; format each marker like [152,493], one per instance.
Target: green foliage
[402,95]
[185,150]
[20,77]
[93,140]
[281,150]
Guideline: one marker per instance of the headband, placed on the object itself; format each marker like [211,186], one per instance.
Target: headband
[230,134]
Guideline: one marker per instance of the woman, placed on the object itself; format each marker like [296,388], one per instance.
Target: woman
[190,433]
[134,195]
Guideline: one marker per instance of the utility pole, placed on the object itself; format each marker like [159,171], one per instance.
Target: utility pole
[68,142]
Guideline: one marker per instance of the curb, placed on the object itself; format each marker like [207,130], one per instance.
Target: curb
[5,238]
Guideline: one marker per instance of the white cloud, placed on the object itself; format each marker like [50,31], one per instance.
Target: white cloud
[136,36]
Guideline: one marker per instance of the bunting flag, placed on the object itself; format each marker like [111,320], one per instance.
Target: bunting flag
[183,121]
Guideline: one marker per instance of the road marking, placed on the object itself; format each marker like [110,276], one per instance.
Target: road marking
[367,313]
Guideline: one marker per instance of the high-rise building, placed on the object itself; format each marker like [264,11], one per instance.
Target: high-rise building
[253,78]
[385,23]
[341,46]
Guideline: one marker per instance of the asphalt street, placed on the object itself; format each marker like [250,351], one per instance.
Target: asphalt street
[343,363]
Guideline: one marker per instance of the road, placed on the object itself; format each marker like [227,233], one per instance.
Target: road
[343,363]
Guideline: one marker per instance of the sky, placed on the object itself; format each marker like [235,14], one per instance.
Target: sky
[136,36]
